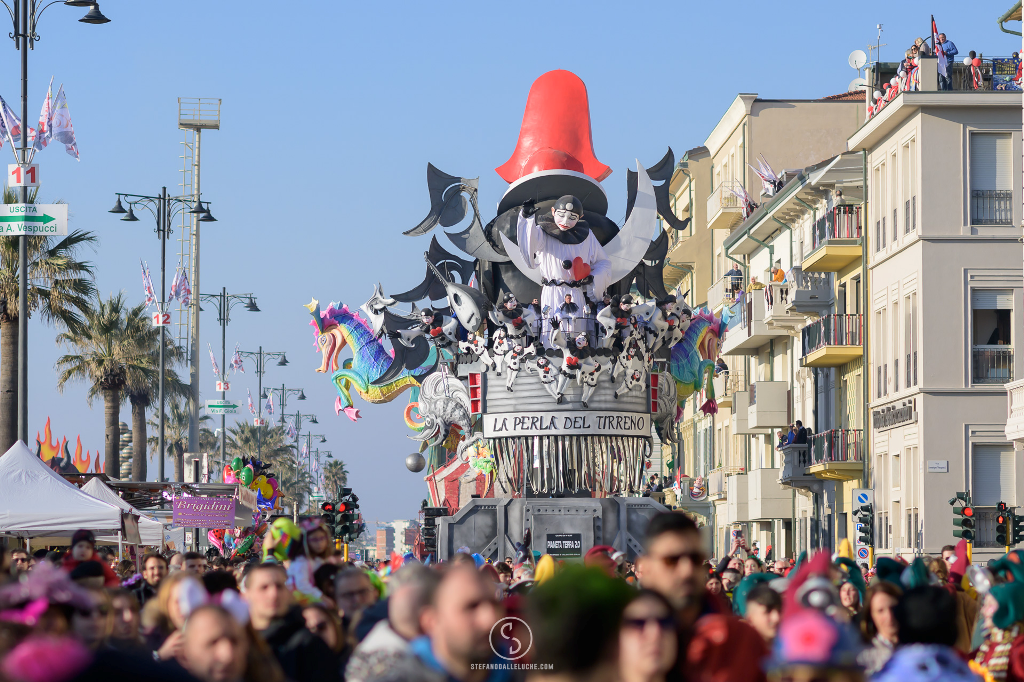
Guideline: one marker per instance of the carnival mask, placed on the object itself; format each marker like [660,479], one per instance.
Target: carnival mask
[566,220]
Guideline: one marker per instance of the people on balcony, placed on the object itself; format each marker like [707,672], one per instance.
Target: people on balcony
[799,433]
[921,47]
[721,367]
[735,279]
[945,68]
[754,285]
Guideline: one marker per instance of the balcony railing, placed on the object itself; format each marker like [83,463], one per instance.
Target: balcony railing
[1015,411]
[836,445]
[723,199]
[716,483]
[842,222]
[723,292]
[832,330]
[995,73]
[991,207]
[992,365]
[802,292]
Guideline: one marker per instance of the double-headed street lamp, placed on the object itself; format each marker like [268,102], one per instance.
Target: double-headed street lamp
[163,208]
[284,393]
[25,17]
[260,357]
[225,302]
[309,454]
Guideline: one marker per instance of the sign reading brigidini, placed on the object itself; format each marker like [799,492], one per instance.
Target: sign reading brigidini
[894,415]
[504,424]
[204,512]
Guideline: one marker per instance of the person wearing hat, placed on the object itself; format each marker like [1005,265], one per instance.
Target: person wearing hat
[812,646]
[1001,655]
[83,549]
[517,320]
[566,251]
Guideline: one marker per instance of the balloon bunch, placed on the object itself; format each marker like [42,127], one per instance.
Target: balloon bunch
[255,475]
[240,541]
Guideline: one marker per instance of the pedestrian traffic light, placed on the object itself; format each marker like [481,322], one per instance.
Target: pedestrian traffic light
[1004,524]
[963,522]
[865,515]
[1018,528]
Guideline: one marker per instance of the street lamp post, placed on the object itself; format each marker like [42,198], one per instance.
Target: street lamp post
[260,357]
[25,17]
[225,302]
[284,392]
[309,453]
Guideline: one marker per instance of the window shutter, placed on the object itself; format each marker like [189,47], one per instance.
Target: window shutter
[992,299]
[991,161]
[993,475]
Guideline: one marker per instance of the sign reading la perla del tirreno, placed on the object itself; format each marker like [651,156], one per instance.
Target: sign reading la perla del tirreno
[504,424]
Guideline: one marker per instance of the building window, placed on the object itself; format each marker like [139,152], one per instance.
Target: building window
[895,232]
[992,336]
[909,188]
[896,471]
[993,482]
[896,346]
[991,179]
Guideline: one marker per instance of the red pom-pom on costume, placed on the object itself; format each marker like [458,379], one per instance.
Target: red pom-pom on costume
[436,331]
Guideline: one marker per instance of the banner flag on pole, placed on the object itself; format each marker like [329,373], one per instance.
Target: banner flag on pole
[43,131]
[216,369]
[61,129]
[147,284]
[11,122]
[943,61]
[236,364]
[252,408]
[269,407]
[184,290]
[291,429]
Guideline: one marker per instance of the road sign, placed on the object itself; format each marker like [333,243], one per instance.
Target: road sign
[862,553]
[259,422]
[34,220]
[23,176]
[221,407]
[161,319]
[223,385]
[861,496]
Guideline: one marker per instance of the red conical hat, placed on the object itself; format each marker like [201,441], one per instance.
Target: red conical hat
[555,134]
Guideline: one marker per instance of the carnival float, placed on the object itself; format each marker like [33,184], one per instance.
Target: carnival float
[536,361]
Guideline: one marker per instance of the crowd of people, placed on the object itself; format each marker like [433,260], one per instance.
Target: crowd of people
[671,614]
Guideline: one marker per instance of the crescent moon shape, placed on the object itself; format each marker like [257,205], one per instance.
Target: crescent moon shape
[628,247]
[516,256]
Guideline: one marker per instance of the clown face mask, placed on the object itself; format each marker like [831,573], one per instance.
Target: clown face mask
[566,220]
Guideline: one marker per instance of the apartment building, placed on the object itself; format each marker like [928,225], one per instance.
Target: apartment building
[943,310]
[705,188]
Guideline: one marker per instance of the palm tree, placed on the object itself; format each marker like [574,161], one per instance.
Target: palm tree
[175,434]
[335,476]
[143,381]
[294,483]
[60,287]
[108,350]
[273,445]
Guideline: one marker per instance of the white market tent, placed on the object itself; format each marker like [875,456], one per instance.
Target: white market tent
[151,531]
[36,501]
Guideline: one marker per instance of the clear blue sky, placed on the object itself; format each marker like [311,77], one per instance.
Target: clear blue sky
[332,111]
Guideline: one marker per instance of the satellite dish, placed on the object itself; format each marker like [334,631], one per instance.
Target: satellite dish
[857,84]
[857,59]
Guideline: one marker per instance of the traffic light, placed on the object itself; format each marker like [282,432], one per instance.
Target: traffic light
[1018,528]
[866,517]
[963,520]
[1004,525]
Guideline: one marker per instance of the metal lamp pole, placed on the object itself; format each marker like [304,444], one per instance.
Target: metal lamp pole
[260,357]
[25,16]
[309,453]
[284,391]
[224,302]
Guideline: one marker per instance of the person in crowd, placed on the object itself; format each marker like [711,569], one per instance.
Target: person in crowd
[353,592]
[175,562]
[763,610]
[83,549]
[323,578]
[878,624]
[504,573]
[752,565]
[648,647]
[721,367]
[923,48]
[949,49]
[672,564]
[125,633]
[164,616]
[326,624]
[92,626]
[19,562]
[125,569]
[154,570]
[849,598]
[714,585]
[811,646]
[214,647]
[948,553]
[411,588]
[307,556]
[195,562]
[1001,654]
[730,579]
[272,613]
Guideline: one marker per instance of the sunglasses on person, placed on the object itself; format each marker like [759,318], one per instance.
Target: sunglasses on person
[663,623]
[672,560]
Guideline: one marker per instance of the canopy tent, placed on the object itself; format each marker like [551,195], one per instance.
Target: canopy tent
[151,531]
[36,501]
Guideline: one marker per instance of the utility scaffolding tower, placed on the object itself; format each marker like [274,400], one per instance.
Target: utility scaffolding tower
[195,114]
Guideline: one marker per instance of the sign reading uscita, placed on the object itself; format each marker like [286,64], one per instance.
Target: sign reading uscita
[503,424]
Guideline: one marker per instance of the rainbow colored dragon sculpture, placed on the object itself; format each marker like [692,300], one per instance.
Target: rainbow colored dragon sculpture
[337,328]
[692,362]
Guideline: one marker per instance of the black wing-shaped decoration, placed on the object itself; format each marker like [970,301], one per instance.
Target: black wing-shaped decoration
[649,273]
[447,205]
[408,357]
[430,287]
[473,241]
[466,303]
[661,171]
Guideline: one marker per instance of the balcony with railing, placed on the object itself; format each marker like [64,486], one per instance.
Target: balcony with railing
[991,207]
[724,293]
[836,240]
[768,404]
[725,210]
[746,331]
[727,384]
[802,295]
[832,340]
[992,365]
[1015,411]
[837,454]
[717,488]
[796,458]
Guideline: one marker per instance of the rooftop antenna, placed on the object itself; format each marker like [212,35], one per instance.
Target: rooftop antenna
[857,60]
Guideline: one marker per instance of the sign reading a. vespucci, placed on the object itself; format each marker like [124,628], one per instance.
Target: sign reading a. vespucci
[504,424]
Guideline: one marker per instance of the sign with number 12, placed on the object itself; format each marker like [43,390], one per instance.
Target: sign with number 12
[161,319]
